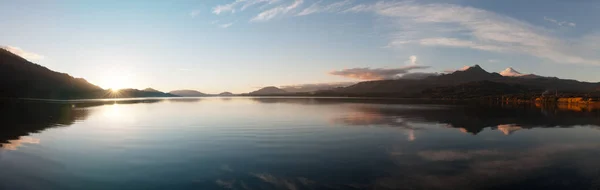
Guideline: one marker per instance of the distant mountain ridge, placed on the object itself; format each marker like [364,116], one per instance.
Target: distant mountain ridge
[270,90]
[150,90]
[188,93]
[135,93]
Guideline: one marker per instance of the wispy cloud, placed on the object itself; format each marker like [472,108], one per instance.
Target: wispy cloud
[358,8]
[449,42]
[560,23]
[493,61]
[240,5]
[226,25]
[276,11]
[194,13]
[438,24]
[24,54]
[446,25]
[317,7]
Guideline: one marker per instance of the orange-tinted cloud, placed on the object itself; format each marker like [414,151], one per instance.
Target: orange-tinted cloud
[377,73]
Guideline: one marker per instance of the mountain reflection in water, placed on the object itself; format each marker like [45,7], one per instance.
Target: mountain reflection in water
[296,143]
[473,119]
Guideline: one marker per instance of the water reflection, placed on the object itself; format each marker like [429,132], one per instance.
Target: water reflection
[14,144]
[298,143]
[22,117]
[470,119]
[541,167]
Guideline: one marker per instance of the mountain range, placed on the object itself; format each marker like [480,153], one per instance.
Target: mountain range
[20,78]
[188,93]
[473,80]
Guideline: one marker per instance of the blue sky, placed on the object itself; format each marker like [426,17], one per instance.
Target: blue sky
[238,46]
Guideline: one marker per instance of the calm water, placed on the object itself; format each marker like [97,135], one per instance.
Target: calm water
[296,143]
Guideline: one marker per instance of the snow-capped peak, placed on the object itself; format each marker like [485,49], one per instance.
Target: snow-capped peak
[510,72]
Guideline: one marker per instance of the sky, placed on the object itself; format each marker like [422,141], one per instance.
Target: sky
[241,45]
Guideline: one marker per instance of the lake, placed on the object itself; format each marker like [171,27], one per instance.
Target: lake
[296,143]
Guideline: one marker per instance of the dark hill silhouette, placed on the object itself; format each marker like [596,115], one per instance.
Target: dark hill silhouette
[270,90]
[480,89]
[24,79]
[474,73]
[226,94]
[20,78]
[188,93]
[413,88]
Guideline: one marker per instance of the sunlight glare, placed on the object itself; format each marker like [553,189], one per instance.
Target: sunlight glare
[116,81]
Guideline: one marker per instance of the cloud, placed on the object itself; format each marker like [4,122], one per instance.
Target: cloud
[317,8]
[194,13]
[240,5]
[412,60]
[22,53]
[358,8]
[226,25]
[385,73]
[375,74]
[493,61]
[440,25]
[276,11]
[560,23]
[314,87]
[448,25]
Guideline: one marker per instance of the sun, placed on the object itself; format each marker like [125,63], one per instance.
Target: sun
[116,82]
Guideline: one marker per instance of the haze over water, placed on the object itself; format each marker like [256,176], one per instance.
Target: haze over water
[296,143]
